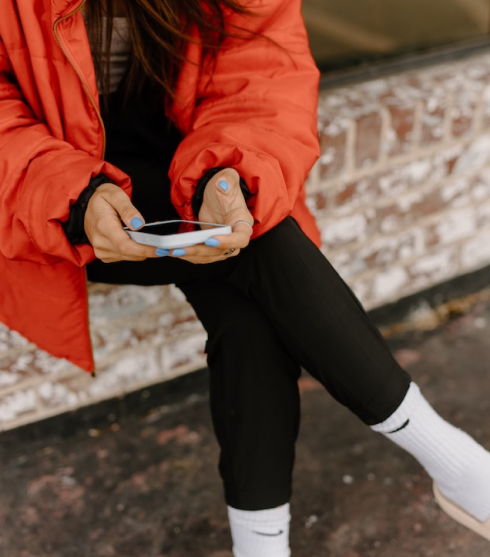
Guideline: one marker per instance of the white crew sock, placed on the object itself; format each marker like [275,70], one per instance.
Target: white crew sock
[260,533]
[456,462]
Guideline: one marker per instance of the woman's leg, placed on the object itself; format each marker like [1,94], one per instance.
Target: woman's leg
[255,410]
[321,322]
[326,330]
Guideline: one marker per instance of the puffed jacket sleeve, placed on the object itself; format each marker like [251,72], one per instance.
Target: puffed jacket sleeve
[255,111]
[40,177]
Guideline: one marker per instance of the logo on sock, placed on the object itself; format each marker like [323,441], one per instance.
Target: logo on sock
[403,426]
[266,534]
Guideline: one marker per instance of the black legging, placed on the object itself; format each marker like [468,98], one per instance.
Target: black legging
[276,307]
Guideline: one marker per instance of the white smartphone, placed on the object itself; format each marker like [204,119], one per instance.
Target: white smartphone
[172,234]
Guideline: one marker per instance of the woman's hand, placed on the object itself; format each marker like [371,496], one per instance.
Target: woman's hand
[223,203]
[106,208]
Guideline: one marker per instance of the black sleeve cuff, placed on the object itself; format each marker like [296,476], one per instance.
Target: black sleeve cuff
[74,227]
[201,185]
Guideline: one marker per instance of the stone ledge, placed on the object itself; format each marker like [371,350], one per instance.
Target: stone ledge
[402,197]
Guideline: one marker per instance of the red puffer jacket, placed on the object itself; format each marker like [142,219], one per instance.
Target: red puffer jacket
[257,114]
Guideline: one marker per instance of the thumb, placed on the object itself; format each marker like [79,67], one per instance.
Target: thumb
[226,181]
[127,212]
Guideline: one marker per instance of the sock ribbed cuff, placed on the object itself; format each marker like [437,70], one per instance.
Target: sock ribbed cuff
[263,533]
[403,413]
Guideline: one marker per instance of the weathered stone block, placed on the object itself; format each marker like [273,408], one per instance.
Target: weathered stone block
[400,133]
[368,139]
[333,143]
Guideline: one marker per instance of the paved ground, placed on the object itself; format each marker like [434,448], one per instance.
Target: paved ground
[148,486]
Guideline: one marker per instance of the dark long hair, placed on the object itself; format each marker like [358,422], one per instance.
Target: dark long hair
[159,31]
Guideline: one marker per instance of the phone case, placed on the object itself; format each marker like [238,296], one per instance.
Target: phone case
[180,240]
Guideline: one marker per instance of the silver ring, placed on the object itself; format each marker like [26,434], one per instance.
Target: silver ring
[245,222]
[230,252]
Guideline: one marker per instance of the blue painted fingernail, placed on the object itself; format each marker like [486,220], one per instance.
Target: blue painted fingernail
[213,242]
[223,184]
[162,252]
[136,222]
[178,252]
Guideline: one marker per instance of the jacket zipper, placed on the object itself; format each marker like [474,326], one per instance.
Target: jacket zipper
[80,76]
[99,116]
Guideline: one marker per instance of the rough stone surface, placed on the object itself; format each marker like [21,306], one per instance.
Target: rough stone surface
[401,193]
[149,486]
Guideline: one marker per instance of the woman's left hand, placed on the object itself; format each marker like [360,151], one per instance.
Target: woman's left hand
[223,203]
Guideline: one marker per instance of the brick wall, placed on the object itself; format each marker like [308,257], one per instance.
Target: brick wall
[402,188]
[402,196]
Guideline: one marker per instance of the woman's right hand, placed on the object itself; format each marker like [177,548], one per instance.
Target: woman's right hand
[108,206]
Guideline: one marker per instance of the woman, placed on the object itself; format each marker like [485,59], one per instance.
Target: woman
[98,103]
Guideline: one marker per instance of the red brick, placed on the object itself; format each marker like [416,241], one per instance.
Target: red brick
[18,404]
[391,249]
[354,195]
[348,229]
[333,148]
[431,237]
[319,202]
[428,203]
[456,225]
[346,193]
[402,122]
[434,267]
[433,121]
[463,114]
[23,365]
[368,139]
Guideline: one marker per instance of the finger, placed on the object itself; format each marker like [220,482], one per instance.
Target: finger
[124,208]
[133,251]
[110,256]
[114,242]
[104,228]
[226,185]
[239,238]
[209,252]
[232,252]
[115,257]
[226,179]
[122,250]
[221,196]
